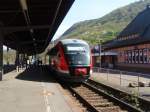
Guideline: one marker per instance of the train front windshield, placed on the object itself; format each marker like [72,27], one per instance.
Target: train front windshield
[77,54]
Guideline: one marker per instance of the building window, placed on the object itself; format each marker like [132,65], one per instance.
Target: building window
[140,56]
[133,57]
[126,57]
[148,55]
[145,55]
[136,56]
[129,56]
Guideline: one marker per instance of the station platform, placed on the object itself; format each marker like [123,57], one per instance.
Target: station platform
[122,83]
[32,90]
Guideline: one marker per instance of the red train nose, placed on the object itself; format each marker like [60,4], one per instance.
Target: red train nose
[80,71]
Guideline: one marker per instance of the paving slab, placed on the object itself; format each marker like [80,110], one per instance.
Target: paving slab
[31,91]
[114,81]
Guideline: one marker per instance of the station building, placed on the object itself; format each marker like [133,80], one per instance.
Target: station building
[131,49]
[103,58]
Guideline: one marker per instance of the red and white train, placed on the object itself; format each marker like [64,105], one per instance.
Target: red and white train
[71,60]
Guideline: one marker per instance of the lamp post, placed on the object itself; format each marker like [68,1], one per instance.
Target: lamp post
[100,47]
[7,56]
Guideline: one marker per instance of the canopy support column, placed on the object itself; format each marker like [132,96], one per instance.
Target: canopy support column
[1,55]
[7,56]
[17,61]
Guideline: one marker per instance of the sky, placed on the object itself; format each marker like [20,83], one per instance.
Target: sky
[89,9]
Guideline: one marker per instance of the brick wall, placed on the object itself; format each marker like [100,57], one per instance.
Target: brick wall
[140,55]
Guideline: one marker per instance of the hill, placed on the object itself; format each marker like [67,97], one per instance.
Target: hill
[107,27]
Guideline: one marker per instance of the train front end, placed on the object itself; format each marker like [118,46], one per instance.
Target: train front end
[78,59]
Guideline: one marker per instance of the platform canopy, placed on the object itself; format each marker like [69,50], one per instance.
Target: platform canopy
[29,25]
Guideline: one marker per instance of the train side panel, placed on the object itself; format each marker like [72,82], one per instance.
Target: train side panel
[63,66]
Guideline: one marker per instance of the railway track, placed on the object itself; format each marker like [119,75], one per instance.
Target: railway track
[95,100]
[130,98]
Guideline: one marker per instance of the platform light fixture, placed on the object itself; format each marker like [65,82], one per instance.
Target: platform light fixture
[35,44]
[31,30]
[100,51]
[24,4]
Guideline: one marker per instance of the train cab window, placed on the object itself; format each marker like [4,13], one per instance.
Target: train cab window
[77,48]
[77,54]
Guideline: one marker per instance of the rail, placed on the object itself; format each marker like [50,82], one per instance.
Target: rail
[96,100]
[136,101]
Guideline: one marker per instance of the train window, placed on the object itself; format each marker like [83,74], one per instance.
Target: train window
[70,48]
[79,58]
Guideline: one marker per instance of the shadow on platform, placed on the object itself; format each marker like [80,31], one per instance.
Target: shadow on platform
[39,74]
[8,68]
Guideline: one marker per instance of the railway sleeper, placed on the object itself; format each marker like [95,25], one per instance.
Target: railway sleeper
[87,92]
[109,109]
[98,101]
[93,97]
[83,109]
[82,88]
[78,103]
[90,95]
[107,104]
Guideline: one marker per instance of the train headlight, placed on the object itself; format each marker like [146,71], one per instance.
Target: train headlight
[91,71]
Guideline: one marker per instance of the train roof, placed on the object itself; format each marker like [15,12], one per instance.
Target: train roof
[73,41]
[52,51]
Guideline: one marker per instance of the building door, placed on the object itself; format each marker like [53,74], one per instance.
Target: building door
[114,61]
